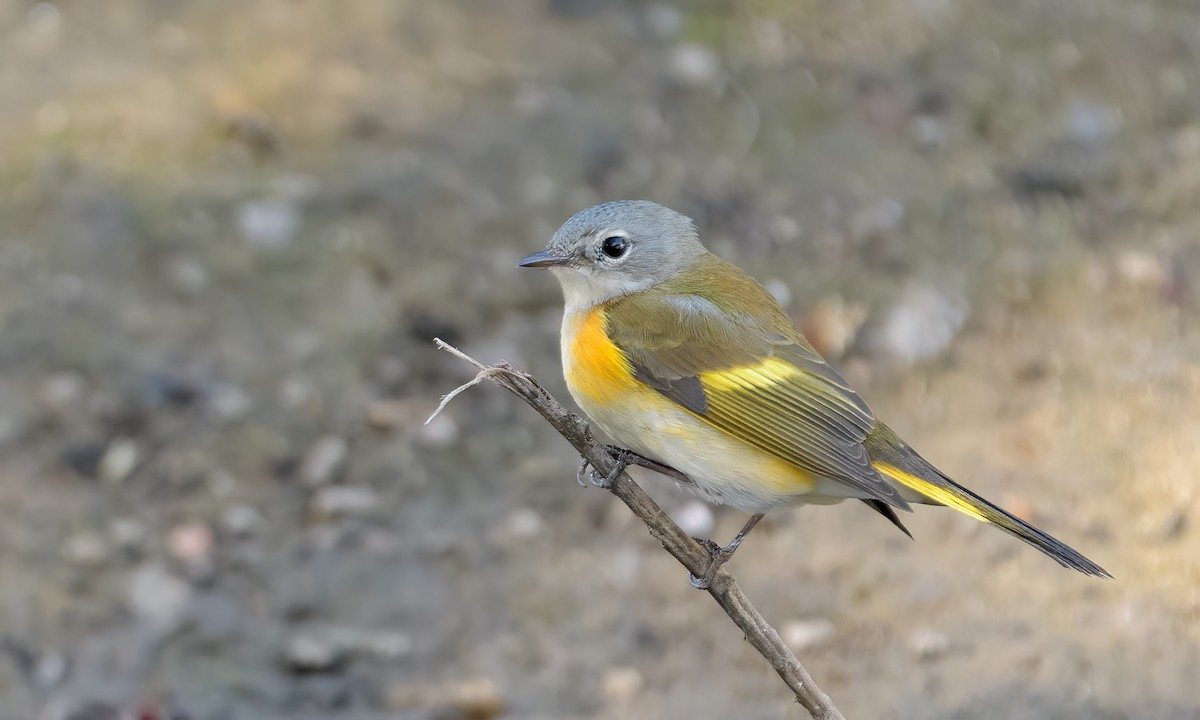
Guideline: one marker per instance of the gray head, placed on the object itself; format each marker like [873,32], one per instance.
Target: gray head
[618,248]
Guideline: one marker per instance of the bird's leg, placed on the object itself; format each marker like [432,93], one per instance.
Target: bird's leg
[627,457]
[720,555]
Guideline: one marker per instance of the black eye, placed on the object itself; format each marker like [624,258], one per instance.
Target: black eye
[614,246]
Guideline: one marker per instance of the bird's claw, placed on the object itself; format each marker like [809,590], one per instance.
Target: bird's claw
[718,556]
[622,458]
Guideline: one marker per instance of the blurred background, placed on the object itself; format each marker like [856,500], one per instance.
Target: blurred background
[229,231]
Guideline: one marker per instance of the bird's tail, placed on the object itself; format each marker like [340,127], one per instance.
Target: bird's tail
[901,464]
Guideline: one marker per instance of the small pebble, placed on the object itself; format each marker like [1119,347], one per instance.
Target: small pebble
[624,565]
[621,684]
[1088,122]
[221,483]
[191,544]
[120,459]
[442,432]
[296,392]
[312,654]
[62,391]
[477,699]
[695,518]
[694,64]
[920,324]
[227,403]
[521,525]
[268,225]
[805,634]
[127,534]
[340,501]
[388,414]
[158,598]
[86,550]
[833,325]
[928,644]
[188,276]
[323,460]
[780,291]
[1142,269]
[240,521]
[51,670]
[877,218]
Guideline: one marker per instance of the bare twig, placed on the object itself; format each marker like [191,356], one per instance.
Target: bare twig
[687,551]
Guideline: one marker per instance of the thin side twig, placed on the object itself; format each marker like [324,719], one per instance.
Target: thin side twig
[687,551]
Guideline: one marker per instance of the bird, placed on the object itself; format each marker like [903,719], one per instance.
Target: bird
[685,361]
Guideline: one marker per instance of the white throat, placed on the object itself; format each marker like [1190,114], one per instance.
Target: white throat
[583,288]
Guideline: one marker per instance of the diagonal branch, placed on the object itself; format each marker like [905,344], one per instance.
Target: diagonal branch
[687,551]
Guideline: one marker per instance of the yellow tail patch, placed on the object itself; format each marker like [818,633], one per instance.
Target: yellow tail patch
[945,496]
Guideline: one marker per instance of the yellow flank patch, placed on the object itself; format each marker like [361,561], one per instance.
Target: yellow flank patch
[598,369]
[945,496]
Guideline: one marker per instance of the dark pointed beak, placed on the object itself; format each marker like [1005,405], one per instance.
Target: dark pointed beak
[543,259]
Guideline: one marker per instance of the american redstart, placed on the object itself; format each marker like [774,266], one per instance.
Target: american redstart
[685,360]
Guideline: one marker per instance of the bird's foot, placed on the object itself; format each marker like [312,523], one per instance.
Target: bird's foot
[720,555]
[623,458]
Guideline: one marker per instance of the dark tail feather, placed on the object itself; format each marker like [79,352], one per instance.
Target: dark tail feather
[945,491]
[886,510]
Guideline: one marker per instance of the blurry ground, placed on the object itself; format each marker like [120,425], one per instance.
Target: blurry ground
[229,230]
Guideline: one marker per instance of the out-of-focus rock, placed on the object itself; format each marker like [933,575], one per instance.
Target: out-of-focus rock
[158,598]
[1088,122]
[521,525]
[188,276]
[127,534]
[694,65]
[919,325]
[695,518]
[340,501]
[441,432]
[326,649]
[86,550]
[241,521]
[832,325]
[928,644]
[779,290]
[119,460]
[1142,269]
[312,654]
[323,460]
[51,669]
[809,633]
[878,218]
[227,402]
[62,392]
[388,413]
[192,545]
[268,225]
[621,684]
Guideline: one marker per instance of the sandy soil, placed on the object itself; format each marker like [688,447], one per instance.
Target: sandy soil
[228,232]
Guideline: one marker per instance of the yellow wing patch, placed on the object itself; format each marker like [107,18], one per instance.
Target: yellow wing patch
[768,373]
